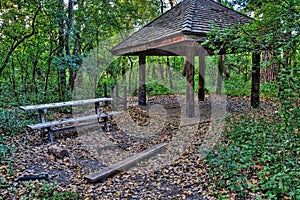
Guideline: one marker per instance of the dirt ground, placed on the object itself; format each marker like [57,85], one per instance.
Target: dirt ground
[177,172]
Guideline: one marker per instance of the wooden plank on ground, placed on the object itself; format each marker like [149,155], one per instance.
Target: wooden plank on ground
[122,165]
[63,104]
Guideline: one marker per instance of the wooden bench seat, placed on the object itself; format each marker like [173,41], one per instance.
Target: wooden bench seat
[71,124]
[71,120]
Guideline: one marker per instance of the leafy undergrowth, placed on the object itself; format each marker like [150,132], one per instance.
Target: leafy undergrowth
[257,156]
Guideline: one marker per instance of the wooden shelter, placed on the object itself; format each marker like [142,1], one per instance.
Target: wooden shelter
[179,32]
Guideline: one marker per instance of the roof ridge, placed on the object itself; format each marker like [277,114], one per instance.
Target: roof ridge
[190,14]
[222,5]
[164,14]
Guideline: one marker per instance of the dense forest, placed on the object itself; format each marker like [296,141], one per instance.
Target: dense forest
[49,49]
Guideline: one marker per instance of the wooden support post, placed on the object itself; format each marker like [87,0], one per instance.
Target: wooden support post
[255,79]
[220,73]
[97,108]
[142,80]
[201,79]
[42,113]
[189,66]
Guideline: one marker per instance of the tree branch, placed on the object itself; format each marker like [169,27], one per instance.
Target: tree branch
[13,48]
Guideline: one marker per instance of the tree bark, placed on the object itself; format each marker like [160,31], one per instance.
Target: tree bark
[61,40]
[161,6]
[130,75]
[220,73]
[142,80]
[170,72]
[255,79]
[160,70]
[201,75]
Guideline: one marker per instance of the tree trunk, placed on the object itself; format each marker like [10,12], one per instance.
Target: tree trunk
[255,79]
[160,70]
[220,73]
[105,90]
[61,39]
[130,75]
[170,72]
[161,6]
[184,67]
[142,80]
[201,75]
[67,45]
[171,3]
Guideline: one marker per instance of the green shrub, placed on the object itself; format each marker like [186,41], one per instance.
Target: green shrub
[237,86]
[48,191]
[5,151]
[154,88]
[257,156]
[13,121]
[269,89]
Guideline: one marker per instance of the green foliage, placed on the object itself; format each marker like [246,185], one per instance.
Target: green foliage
[48,191]
[13,121]
[154,88]
[269,89]
[43,47]
[5,151]
[256,156]
[237,86]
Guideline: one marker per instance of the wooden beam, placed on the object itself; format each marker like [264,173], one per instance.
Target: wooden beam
[122,165]
[201,75]
[255,79]
[142,80]
[190,105]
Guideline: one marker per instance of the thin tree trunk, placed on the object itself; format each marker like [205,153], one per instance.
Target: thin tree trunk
[161,6]
[184,67]
[13,78]
[142,80]
[61,39]
[170,72]
[67,44]
[160,70]
[220,73]
[23,69]
[130,75]
[255,79]
[201,76]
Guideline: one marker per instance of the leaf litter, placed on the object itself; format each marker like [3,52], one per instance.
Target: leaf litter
[183,178]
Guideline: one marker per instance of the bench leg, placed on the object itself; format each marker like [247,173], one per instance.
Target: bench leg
[44,131]
[106,124]
[51,137]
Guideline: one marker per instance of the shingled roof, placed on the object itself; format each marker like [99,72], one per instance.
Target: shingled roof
[189,20]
